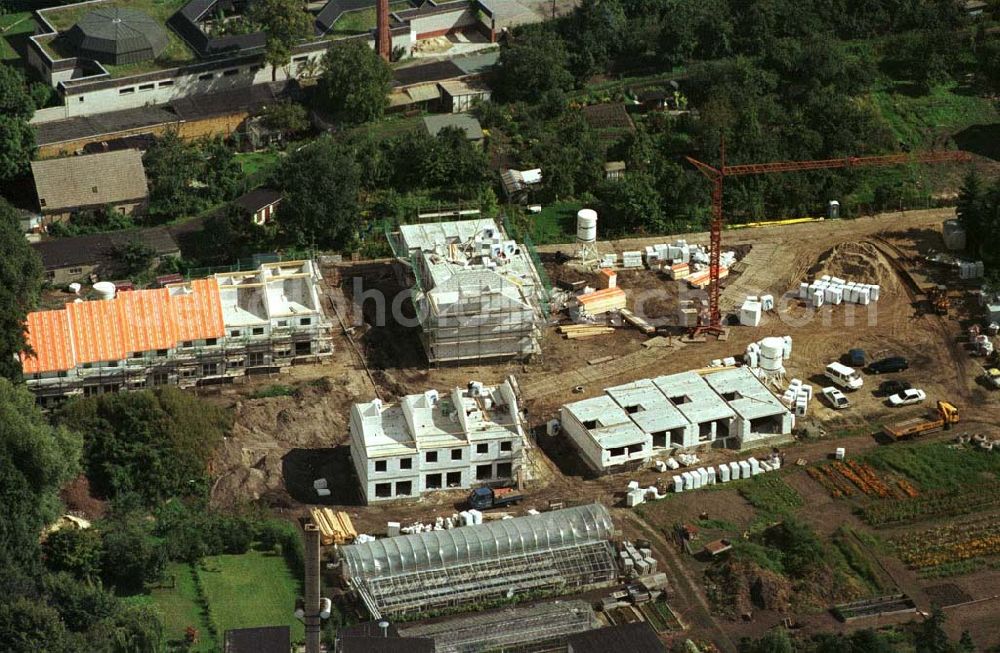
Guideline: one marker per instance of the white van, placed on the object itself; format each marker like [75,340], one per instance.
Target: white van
[844,376]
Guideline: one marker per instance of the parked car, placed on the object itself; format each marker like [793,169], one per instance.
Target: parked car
[907,397]
[856,358]
[892,387]
[888,365]
[835,397]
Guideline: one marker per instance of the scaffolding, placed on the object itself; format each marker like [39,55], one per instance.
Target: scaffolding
[473,302]
[524,628]
[552,552]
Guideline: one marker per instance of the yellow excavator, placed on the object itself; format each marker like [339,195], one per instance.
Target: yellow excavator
[944,417]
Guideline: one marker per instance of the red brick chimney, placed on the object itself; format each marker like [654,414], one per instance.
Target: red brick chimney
[383,40]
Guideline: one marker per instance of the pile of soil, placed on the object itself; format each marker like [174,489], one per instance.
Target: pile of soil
[250,465]
[856,261]
[742,587]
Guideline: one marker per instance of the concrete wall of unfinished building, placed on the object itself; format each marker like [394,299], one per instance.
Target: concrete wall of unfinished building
[201,364]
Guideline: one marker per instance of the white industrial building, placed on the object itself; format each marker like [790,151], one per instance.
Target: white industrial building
[470,437]
[477,293]
[631,423]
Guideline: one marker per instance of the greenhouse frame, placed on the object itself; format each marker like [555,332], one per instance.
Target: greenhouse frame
[555,552]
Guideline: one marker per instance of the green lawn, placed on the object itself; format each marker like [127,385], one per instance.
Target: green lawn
[179,607]
[920,121]
[254,589]
[258,163]
[361,20]
[555,224]
[13,25]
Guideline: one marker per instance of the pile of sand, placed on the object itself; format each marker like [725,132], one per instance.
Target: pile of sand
[861,262]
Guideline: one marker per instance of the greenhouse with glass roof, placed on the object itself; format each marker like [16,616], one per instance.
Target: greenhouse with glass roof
[557,551]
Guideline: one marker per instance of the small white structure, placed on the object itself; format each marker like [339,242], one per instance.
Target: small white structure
[586,235]
[427,442]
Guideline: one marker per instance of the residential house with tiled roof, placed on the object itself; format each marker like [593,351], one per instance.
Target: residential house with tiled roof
[202,331]
[92,181]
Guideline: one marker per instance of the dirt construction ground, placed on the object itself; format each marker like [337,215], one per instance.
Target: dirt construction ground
[280,444]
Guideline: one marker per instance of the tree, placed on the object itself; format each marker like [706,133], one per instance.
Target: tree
[285,23]
[15,96]
[131,558]
[20,285]
[77,551]
[173,166]
[320,206]
[630,205]
[35,460]
[598,32]
[132,258]
[534,64]
[30,627]
[287,117]
[775,641]
[17,138]
[931,637]
[223,177]
[155,444]
[971,209]
[354,85]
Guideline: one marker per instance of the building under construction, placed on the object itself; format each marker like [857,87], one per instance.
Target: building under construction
[560,551]
[477,293]
[203,331]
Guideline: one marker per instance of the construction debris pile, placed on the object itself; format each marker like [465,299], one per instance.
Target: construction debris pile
[636,562]
[834,290]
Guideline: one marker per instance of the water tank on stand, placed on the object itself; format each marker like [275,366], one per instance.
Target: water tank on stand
[586,226]
[772,354]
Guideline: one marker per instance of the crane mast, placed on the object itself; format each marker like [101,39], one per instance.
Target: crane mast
[717,175]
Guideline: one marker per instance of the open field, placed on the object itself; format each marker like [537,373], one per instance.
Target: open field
[249,590]
[179,607]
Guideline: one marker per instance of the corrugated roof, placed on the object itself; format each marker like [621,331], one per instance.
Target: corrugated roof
[134,321]
[96,331]
[88,180]
[198,310]
[147,320]
[48,335]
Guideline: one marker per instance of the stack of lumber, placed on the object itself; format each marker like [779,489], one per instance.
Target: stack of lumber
[677,270]
[701,279]
[607,278]
[602,301]
[578,331]
[637,321]
[334,527]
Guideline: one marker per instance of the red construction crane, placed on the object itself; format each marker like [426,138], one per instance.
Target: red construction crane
[717,175]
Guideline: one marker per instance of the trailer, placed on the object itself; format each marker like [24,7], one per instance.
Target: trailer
[946,415]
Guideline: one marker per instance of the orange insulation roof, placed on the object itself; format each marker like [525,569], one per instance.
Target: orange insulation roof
[48,335]
[134,321]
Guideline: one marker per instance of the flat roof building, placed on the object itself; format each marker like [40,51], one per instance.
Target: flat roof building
[631,423]
[201,331]
[469,437]
[478,293]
